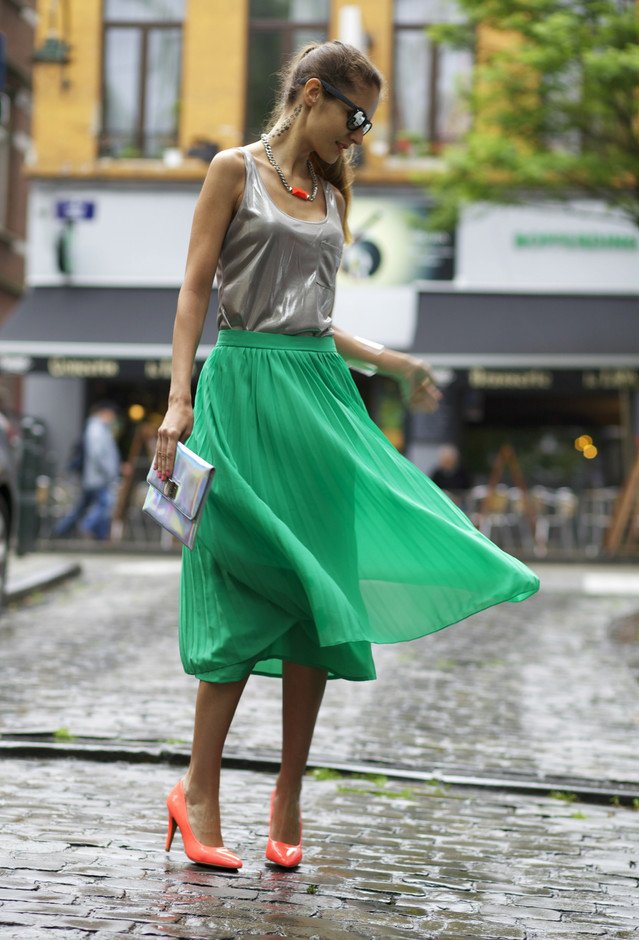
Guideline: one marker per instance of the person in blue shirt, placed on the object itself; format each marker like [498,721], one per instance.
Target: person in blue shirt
[100,467]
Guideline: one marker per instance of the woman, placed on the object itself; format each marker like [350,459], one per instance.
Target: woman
[318,537]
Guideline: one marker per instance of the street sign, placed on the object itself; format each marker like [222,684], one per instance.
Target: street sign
[75,209]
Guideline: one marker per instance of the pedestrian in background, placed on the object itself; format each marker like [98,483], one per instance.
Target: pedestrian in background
[318,537]
[98,461]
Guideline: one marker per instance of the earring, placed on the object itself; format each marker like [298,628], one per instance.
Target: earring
[287,123]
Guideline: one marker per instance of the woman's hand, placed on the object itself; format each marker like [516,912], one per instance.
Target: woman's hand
[415,377]
[177,425]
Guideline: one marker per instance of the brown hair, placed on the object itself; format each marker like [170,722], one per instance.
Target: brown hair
[341,65]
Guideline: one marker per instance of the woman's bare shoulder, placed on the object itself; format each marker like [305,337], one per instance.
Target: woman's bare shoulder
[229,163]
[224,182]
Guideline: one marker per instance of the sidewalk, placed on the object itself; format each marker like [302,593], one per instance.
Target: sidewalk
[523,691]
[37,571]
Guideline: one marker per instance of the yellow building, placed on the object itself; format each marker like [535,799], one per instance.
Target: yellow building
[132,98]
[143,84]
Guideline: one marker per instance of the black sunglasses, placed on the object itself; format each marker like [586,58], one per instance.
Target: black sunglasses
[357,119]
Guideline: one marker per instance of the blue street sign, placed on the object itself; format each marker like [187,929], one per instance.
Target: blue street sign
[74,209]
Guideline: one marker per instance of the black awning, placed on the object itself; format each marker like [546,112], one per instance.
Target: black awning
[90,331]
[556,326]
[121,322]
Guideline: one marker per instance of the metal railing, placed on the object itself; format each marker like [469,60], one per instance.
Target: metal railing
[540,522]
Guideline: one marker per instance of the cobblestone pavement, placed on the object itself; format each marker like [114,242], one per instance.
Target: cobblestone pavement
[537,688]
[83,854]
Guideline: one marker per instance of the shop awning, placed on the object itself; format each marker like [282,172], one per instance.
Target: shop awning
[566,331]
[91,332]
[87,332]
[97,321]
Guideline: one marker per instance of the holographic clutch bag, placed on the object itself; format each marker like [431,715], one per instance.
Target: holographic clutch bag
[177,503]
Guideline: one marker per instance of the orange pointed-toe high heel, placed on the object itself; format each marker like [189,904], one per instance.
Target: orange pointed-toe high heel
[202,854]
[288,856]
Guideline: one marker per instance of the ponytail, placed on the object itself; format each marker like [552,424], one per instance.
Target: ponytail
[339,64]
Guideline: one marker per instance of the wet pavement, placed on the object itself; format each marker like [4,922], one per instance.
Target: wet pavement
[529,691]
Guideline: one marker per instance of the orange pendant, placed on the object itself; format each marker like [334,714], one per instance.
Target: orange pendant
[300,193]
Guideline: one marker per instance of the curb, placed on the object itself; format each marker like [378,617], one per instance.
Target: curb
[586,790]
[95,547]
[19,588]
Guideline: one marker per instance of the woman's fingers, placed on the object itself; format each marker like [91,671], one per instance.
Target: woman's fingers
[425,399]
[177,425]
[420,390]
[165,453]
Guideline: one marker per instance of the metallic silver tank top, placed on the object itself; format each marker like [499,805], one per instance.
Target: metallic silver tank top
[276,274]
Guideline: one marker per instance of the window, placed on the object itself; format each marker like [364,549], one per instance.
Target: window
[141,77]
[277,29]
[427,108]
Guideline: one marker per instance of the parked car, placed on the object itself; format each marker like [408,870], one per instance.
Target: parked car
[8,497]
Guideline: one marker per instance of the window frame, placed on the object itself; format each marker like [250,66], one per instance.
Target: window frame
[432,81]
[145,27]
[432,141]
[284,28]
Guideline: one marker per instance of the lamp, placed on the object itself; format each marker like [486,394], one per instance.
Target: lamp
[54,50]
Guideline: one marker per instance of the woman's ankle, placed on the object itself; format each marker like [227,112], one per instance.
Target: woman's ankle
[289,790]
[198,791]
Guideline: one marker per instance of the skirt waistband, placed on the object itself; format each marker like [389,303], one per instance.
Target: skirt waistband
[289,341]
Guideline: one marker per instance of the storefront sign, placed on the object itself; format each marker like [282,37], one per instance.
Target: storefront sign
[16,364]
[611,379]
[592,241]
[480,378]
[77,367]
[578,247]
[157,369]
[556,380]
[512,379]
[62,367]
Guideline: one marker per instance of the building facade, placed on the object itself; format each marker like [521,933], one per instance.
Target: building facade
[17,25]
[17,29]
[134,99]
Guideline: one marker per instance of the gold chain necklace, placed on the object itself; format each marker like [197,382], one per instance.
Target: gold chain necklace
[293,190]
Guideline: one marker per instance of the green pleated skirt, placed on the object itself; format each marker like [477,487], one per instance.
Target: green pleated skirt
[318,538]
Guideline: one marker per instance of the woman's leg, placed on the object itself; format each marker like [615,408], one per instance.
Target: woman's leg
[214,709]
[302,692]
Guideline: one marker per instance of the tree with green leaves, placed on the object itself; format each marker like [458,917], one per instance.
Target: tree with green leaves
[554,105]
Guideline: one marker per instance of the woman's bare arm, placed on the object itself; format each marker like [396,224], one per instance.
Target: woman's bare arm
[214,209]
[414,376]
